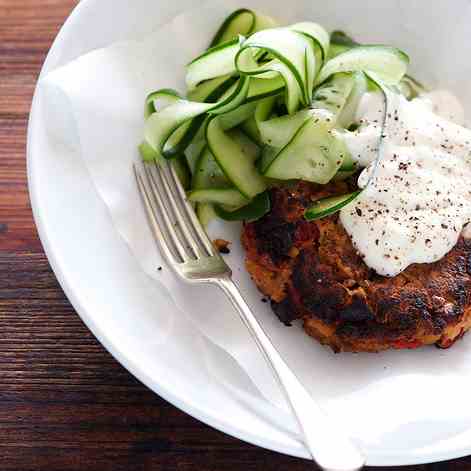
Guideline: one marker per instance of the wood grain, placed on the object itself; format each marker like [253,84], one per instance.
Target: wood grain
[65,404]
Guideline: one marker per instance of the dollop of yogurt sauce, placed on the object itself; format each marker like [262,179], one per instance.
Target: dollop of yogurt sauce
[414,207]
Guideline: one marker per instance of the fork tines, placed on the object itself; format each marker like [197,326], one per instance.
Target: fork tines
[172,218]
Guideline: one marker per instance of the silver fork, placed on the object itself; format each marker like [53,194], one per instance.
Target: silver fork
[190,253]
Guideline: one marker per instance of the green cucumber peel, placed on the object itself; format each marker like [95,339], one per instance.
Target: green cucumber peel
[288,49]
[147,153]
[341,38]
[262,88]
[207,173]
[313,154]
[348,113]
[329,101]
[230,197]
[212,90]
[215,62]
[238,168]
[194,150]
[250,128]
[256,209]
[332,96]
[205,213]
[182,170]
[341,42]
[316,33]
[230,29]
[241,22]
[411,88]
[329,205]
[235,117]
[167,95]
[161,126]
[388,63]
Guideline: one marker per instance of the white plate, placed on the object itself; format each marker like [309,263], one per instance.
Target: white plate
[405,414]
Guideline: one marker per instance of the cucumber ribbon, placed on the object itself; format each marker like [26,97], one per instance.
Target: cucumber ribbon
[266,102]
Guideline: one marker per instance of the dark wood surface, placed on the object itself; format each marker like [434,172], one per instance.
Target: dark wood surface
[65,404]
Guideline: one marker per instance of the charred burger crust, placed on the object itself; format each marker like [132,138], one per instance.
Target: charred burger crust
[283,227]
[275,238]
[318,291]
[311,271]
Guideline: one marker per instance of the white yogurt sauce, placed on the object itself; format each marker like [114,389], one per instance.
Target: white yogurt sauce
[419,199]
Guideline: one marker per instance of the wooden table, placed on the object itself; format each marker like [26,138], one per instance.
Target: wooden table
[65,404]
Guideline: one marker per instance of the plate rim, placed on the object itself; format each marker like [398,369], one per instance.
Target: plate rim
[135,370]
[184,404]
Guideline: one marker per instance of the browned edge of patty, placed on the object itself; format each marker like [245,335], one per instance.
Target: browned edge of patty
[311,271]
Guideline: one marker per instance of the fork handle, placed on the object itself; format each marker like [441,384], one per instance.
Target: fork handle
[328,446]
